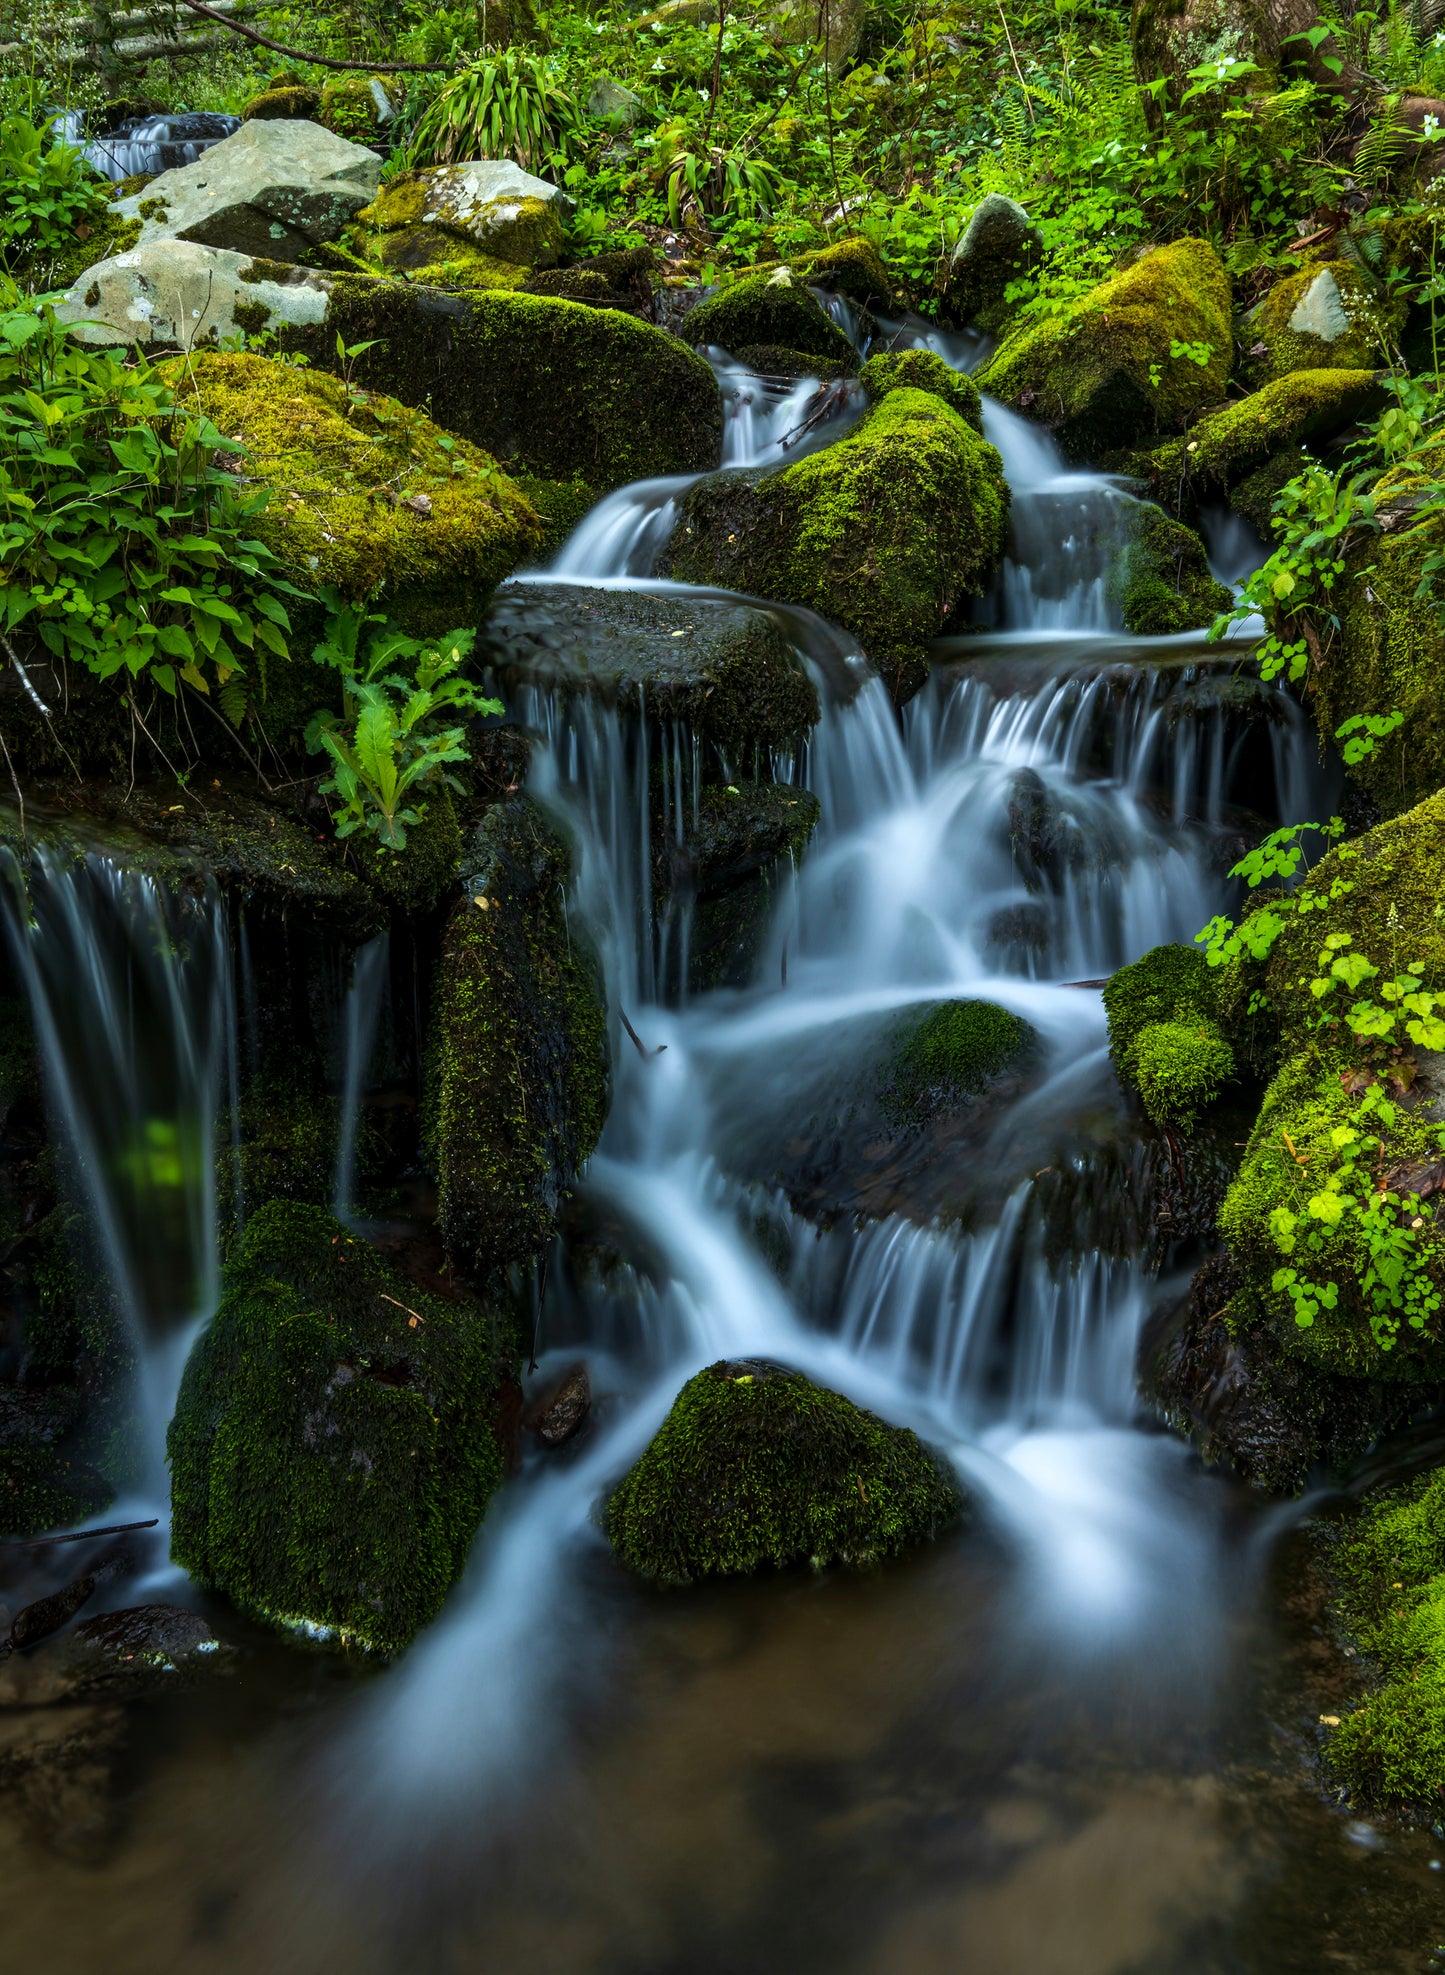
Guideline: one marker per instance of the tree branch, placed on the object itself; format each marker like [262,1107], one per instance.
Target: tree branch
[321,61]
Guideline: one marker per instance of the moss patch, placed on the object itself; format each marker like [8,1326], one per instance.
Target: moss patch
[755,1466]
[1090,370]
[40,1491]
[952,1053]
[1164,1035]
[1163,579]
[768,308]
[332,1451]
[365,494]
[517,1071]
[851,267]
[295,100]
[887,532]
[1227,445]
[1326,316]
[1180,1068]
[923,370]
[549,387]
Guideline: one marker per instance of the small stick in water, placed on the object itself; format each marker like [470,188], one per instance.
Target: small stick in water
[74,1535]
[638,1044]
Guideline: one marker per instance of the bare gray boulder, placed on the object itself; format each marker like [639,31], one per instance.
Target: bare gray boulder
[177,293]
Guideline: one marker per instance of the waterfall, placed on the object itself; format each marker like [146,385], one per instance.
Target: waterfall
[359,1017]
[151,144]
[129,986]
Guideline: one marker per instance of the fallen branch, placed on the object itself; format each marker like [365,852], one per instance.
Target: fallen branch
[74,1536]
[321,61]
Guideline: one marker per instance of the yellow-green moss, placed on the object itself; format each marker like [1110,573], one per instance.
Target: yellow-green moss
[887,532]
[288,100]
[348,106]
[851,267]
[517,1073]
[768,308]
[1163,578]
[756,1467]
[1374,322]
[923,370]
[1180,1068]
[346,470]
[952,1053]
[333,1448]
[1169,984]
[1090,370]
[405,231]
[1227,445]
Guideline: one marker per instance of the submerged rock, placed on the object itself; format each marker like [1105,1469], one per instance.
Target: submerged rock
[276,188]
[517,1079]
[367,495]
[757,1466]
[887,532]
[725,670]
[560,1409]
[1103,370]
[332,1450]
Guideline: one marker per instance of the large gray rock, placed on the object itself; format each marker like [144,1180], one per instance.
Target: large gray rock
[176,293]
[275,188]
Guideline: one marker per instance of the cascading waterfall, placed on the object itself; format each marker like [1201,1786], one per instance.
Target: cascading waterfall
[130,993]
[152,144]
[359,1018]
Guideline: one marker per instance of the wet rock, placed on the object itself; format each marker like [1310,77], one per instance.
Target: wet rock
[1164,580]
[999,245]
[46,1615]
[175,293]
[160,1638]
[275,188]
[332,1451]
[559,1410]
[483,224]
[769,308]
[725,670]
[756,1466]
[517,1079]
[38,1416]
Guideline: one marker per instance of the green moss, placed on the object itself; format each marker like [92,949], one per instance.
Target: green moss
[1363,322]
[290,100]
[561,505]
[953,1052]
[1163,578]
[757,1467]
[347,469]
[1180,1068]
[623,279]
[333,1447]
[1169,984]
[40,1490]
[1391,1749]
[287,1135]
[851,267]
[887,532]
[348,106]
[517,1071]
[768,308]
[923,370]
[418,223]
[1390,648]
[1229,444]
[417,878]
[1089,370]
[552,388]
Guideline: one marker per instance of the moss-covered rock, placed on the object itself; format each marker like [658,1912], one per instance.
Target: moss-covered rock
[548,387]
[999,246]
[1326,316]
[486,224]
[887,532]
[1390,648]
[852,267]
[620,280]
[1180,1068]
[952,1053]
[755,1466]
[1306,406]
[365,494]
[333,1448]
[1164,1034]
[768,308]
[286,99]
[517,1071]
[356,106]
[738,839]
[1102,371]
[1390,1562]
[923,370]
[40,1490]
[1163,578]
[726,671]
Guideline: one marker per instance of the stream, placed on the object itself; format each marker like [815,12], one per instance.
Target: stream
[1072,1735]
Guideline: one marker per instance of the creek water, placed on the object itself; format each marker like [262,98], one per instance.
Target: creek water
[1070,1735]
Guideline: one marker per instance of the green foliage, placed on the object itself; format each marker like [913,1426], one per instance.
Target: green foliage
[1180,1068]
[509,105]
[46,189]
[123,543]
[757,1467]
[386,746]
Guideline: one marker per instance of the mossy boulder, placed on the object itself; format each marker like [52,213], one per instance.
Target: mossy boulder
[620,280]
[757,1467]
[1164,1033]
[923,370]
[1390,1565]
[1372,905]
[887,532]
[485,224]
[365,494]
[1226,446]
[1102,371]
[768,308]
[951,1053]
[285,99]
[517,1077]
[356,106]
[333,1448]
[725,671]
[1000,246]
[1163,578]
[1326,316]
[548,387]
[852,267]
[1389,651]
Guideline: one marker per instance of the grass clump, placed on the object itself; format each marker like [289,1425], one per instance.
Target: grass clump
[756,1467]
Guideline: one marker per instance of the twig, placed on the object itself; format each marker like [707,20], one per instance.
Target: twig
[321,61]
[74,1536]
[641,1047]
[1028,105]
[15,784]
[541,1299]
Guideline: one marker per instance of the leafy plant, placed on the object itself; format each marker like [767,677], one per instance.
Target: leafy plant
[386,745]
[508,105]
[47,190]
[123,543]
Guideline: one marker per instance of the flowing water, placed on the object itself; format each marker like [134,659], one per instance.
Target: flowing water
[1062,1738]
